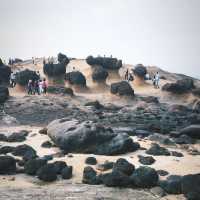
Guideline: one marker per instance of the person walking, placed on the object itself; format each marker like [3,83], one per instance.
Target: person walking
[30,87]
[40,86]
[126,75]
[154,81]
[157,79]
[44,86]
[12,80]
[36,87]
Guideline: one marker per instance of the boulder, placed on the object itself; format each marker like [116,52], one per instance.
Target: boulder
[180,87]
[32,166]
[91,161]
[76,78]
[89,137]
[190,186]
[66,172]
[105,166]
[162,172]
[192,131]
[124,166]
[115,179]
[43,131]
[196,92]
[90,176]
[59,166]
[47,144]
[177,154]
[5,72]
[95,104]
[7,165]
[6,149]
[99,74]
[106,62]
[4,94]
[184,139]
[62,58]
[24,76]
[157,150]
[3,138]
[140,71]
[25,151]
[18,136]
[122,88]
[172,185]
[47,173]
[144,177]
[146,160]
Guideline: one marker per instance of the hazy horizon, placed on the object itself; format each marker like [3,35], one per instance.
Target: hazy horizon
[161,33]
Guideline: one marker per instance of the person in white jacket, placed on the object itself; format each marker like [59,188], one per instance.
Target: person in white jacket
[157,79]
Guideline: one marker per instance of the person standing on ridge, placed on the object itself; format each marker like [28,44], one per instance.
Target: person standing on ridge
[157,79]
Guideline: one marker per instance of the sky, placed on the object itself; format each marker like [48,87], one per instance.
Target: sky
[164,33]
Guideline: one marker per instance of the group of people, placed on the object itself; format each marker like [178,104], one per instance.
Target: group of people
[38,86]
[156,78]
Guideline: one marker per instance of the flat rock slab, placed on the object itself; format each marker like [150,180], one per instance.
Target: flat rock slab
[70,191]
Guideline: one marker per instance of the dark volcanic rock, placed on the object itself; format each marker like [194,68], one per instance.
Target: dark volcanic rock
[7,165]
[76,78]
[181,86]
[67,172]
[177,154]
[5,72]
[46,144]
[124,166]
[122,88]
[90,176]
[4,94]
[3,138]
[105,166]
[43,131]
[196,92]
[157,150]
[184,139]
[140,70]
[95,104]
[144,177]
[162,172]
[88,137]
[99,74]
[32,166]
[115,179]
[6,149]
[23,77]
[91,161]
[172,184]
[59,166]
[190,185]
[146,160]
[63,59]
[192,131]
[25,151]
[18,136]
[105,62]
[47,173]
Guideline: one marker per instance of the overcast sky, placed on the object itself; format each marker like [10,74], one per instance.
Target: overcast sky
[165,33]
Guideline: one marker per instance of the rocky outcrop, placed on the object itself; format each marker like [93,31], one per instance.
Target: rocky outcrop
[122,88]
[91,161]
[89,137]
[180,87]
[53,89]
[4,94]
[5,72]
[76,78]
[157,150]
[146,160]
[140,71]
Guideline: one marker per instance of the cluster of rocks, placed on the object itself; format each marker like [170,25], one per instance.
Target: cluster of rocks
[5,72]
[53,89]
[140,71]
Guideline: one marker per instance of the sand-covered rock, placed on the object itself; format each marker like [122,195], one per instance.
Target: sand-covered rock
[89,137]
[122,88]
[76,78]
[157,150]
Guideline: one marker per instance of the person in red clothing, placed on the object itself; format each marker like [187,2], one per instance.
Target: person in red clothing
[44,86]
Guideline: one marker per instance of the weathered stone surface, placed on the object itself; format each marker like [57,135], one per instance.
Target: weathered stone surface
[7,165]
[122,88]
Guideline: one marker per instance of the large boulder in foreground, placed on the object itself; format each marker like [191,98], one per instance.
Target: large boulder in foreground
[7,165]
[23,77]
[4,94]
[192,131]
[122,88]
[180,87]
[190,185]
[76,78]
[5,72]
[89,137]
